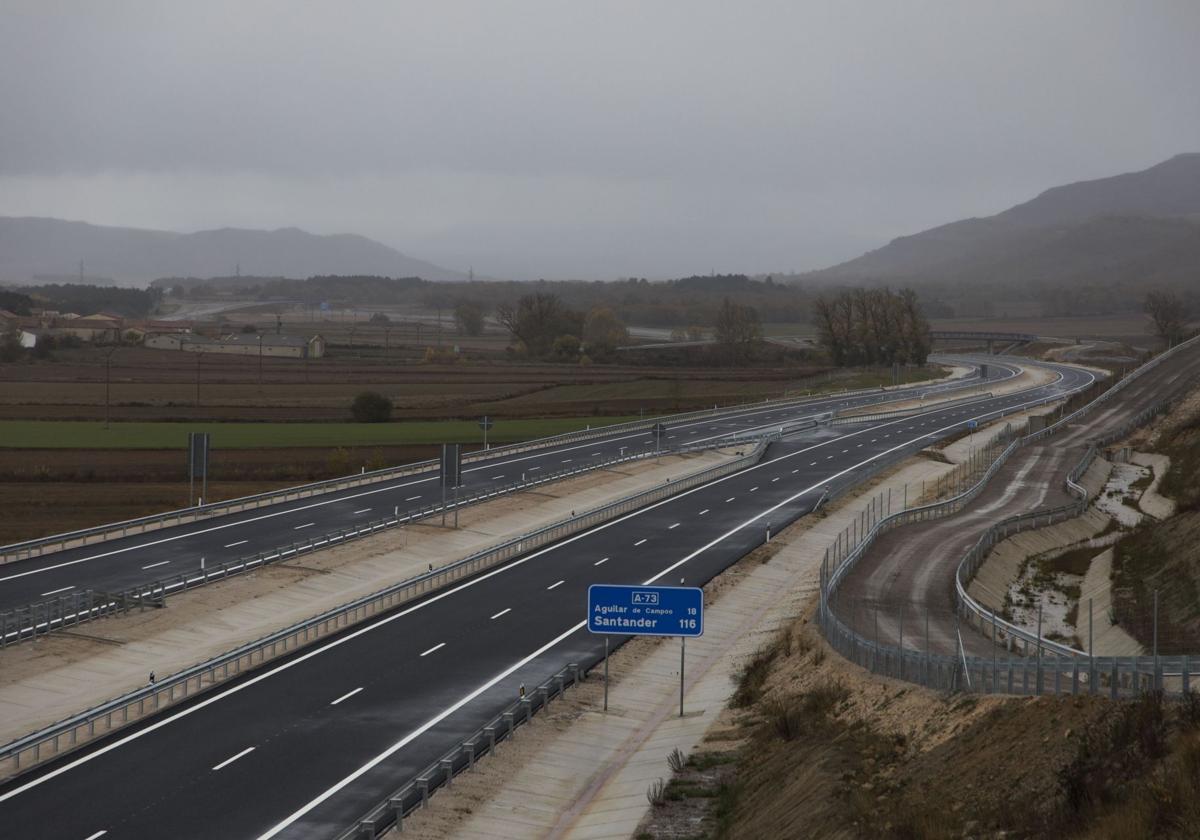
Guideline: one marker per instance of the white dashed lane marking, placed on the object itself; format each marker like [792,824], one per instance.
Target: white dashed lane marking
[159,563]
[502,612]
[346,696]
[232,759]
[438,646]
[555,585]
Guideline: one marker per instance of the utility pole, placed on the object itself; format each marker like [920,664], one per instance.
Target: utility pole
[107,378]
[260,360]
[198,356]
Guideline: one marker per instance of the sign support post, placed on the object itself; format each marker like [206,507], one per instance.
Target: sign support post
[682,656]
[606,673]
[646,611]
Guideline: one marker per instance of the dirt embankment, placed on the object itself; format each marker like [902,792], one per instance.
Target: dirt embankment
[825,750]
[1164,556]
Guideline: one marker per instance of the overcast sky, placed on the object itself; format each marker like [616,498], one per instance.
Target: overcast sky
[584,139]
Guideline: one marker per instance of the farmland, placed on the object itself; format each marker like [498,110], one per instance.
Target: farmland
[149,385]
[60,434]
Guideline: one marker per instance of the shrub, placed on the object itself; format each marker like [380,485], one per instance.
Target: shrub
[371,407]
[656,793]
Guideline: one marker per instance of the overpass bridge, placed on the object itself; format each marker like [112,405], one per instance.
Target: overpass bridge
[1009,340]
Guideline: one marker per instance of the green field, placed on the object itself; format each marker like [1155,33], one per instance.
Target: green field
[56,434]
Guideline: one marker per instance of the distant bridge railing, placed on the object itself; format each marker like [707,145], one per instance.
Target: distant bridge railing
[968,335]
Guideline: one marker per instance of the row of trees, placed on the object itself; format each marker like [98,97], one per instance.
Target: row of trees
[873,326]
[545,327]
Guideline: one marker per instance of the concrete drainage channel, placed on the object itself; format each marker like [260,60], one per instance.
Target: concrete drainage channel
[67,735]
[1071,670]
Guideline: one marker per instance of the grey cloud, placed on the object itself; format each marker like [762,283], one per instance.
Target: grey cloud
[584,139]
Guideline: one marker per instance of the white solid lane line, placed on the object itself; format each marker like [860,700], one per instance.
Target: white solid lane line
[159,563]
[639,542]
[234,758]
[438,646]
[502,612]
[346,696]
[364,510]
[305,525]
[463,701]
[242,522]
[442,715]
[56,591]
[672,527]
[555,585]
[601,561]
[235,544]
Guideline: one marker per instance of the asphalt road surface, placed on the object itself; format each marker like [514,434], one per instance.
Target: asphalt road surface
[303,748]
[121,564]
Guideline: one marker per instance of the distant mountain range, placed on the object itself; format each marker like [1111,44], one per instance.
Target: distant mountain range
[1141,227]
[33,248]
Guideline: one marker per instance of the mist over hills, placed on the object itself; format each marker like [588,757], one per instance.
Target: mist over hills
[1140,226]
[38,247]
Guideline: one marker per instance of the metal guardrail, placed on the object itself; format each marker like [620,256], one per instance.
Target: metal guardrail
[59,542]
[392,810]
[74,608]
[1124,675]
[842,419]
[64,736]
[1114,390]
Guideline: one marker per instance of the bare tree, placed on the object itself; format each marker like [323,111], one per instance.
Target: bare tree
[737,329]
[1169,314]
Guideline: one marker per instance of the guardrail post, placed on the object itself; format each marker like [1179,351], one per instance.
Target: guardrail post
[470,748]
[510,723]
[396,803]
[447,765]
[423,786]
[366,828]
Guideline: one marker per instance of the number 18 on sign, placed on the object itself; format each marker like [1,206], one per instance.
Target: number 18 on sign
[646,611]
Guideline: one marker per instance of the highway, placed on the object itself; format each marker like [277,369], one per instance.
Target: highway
[124,563]
[304,747]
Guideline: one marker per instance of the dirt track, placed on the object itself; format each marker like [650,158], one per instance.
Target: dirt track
[908,574]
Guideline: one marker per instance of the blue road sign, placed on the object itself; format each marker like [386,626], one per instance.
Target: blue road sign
[646,610]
